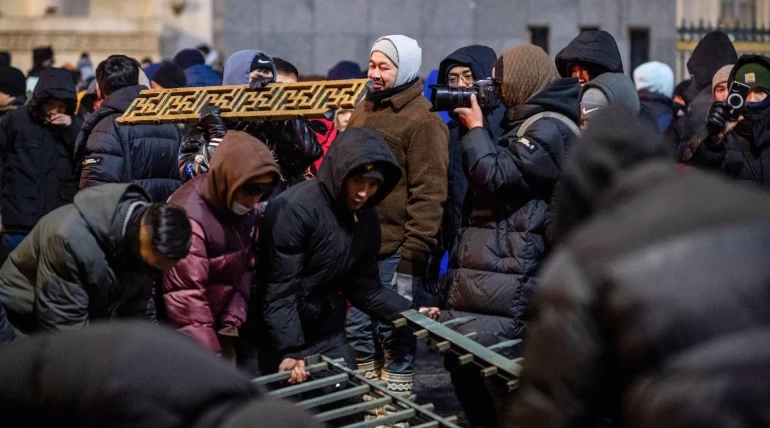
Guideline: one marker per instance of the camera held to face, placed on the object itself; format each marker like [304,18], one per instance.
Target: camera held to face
[446,98]
[736,100]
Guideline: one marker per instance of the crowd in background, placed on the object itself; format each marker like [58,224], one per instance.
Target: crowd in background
[615,224]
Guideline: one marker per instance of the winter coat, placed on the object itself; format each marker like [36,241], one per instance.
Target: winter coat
[632,314]
[595,47]
[745,154]
[208,290]
[37,164]
[131,374]
[480,59]
[142,154]
[74,265]
[493,268]
[200,75]
[410,218]
[315,252]
[660,107]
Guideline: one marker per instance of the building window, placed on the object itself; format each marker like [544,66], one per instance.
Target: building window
[539,37]
[742,13]
[640,47]
[589,28]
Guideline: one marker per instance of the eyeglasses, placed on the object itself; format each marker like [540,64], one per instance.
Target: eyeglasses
[465,78]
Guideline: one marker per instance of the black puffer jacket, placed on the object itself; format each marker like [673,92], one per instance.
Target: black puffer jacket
[313,247]
[493,267]
[37,163]
[633,320]
[131,374]
[595,47]
[142,154]
[745,153]
[74,265]
[6,330]
[480,59]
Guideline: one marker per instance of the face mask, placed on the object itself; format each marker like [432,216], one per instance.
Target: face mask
[239,209]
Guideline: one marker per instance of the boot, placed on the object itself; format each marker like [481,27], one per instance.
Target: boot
[402,385]
[371,369]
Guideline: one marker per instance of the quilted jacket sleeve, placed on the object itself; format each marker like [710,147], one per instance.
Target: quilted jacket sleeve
[103,160]
[184,293]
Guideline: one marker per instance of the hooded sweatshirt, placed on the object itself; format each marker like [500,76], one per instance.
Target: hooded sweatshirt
[38,169]
[313,247]
[619,90]
[594,47]
[87,236]
[209,289]
[525,71]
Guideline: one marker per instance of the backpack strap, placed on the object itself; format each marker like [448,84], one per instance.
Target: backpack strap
[558,116]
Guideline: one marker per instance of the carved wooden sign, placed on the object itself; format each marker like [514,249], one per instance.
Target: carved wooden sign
[277,101]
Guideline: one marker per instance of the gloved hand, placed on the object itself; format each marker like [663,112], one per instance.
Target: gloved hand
[717,118]
[211,121]
[259,82]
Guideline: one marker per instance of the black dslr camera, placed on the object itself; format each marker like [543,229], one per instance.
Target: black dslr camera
[445,98]
[736,100]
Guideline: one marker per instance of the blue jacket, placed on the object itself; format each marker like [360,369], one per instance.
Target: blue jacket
[202,75]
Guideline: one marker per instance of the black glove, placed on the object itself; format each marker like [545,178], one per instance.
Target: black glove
[260,82]
[717,118]
[211,121]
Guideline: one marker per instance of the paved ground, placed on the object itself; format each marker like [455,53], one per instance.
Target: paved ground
[432,385]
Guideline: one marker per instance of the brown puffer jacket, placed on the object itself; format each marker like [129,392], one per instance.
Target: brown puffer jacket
[411,215]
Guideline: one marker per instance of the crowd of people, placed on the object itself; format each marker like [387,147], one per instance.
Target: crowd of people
[613,223]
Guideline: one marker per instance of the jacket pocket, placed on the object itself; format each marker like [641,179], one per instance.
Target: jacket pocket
[20,205]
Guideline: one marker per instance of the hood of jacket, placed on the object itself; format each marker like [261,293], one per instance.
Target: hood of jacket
[479,58]
[240,157]
[355,148]
[713,52]
[595,47]
[619,90]
[560,96]
[615,143]
[121,99]
[238,67]
[655,77]
[105,210]
[55,83]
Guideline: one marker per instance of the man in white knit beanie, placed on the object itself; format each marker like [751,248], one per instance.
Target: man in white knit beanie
[410,217]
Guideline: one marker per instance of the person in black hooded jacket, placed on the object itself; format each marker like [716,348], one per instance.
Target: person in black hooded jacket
[741,148]
[589,55]
[131,374]
[109,153]
[460,70]
[654,312]
[493,268]
[713,52]
[319,245]
[36,143]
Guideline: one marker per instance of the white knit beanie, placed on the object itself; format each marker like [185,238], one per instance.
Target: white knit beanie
[405,54]
[656,77]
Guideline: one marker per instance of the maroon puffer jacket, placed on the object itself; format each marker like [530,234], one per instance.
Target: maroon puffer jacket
[209,289]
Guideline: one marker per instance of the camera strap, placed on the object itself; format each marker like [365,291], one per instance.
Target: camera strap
[553,115]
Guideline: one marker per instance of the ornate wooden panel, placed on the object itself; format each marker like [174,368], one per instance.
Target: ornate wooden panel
[277,101]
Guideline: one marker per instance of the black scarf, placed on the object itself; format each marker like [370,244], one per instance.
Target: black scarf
[378,96]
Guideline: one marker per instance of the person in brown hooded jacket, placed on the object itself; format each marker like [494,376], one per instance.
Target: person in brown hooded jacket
[206,293]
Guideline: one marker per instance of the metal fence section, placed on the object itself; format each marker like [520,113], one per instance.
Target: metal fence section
[441,338]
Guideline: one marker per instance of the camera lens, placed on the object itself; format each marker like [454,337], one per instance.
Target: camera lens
[445,98]
[735,101]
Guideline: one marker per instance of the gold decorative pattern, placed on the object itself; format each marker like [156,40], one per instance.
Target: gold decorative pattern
[277,101]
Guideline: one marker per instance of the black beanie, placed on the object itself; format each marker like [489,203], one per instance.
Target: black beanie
[370,170]
[170,76]
[12,82]
[261,61]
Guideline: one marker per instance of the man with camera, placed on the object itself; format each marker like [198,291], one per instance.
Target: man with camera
[738,136]
[410,216]
[463,72]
